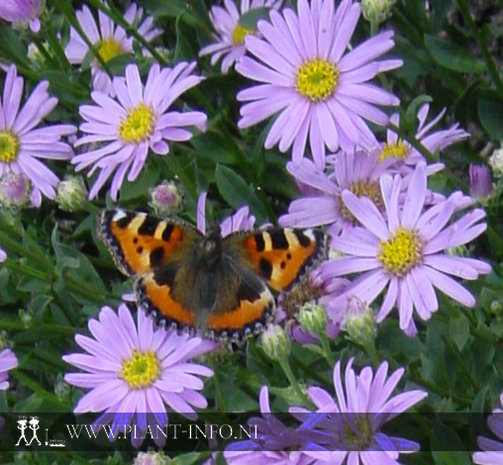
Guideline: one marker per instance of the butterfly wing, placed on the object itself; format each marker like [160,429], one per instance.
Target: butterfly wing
[280,255]
[230,302]
[140,243]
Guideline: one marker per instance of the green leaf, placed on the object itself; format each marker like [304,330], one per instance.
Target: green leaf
[237,193]
[118,64]
[459,330]
[250,19]
[491,116]
[453,56]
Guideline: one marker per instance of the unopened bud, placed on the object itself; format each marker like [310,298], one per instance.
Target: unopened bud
[276,343]
[151,458]
[313,318]
[26,318]
[480,182]
[496,162]
[61,388]
[359,322]
[72,194]
[166,198]
[377,11]
[496,307]
[14,190]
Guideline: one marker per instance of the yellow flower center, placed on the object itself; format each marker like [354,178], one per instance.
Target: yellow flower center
[399,149]
[141,370]
[362,188]
[317,79]
[239,33]
[109,48]
[401,253]
[359,438]
[138,125]
[9,146]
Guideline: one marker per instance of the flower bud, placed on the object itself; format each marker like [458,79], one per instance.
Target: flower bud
[359,322]
[72,194]
[14,190]
[151,458]
[496,307]
[165,198]
[377,11]
[20,12]
[276,343]
[313,318]
[61,388]
[496,162]
[480,182]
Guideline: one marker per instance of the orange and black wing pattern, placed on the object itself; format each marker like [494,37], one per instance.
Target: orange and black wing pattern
[281,255]
[140,243]
[243,303]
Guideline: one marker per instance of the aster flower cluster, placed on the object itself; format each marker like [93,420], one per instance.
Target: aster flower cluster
[345,430]
[314,86]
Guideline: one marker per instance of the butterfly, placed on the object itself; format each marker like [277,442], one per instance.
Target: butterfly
[187,280]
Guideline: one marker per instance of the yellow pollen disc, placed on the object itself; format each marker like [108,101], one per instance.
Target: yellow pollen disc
[401,253]
[141,370]
[399,149]
[362,188]
[138,125]
[9,146]
[109,48]
[361,436]
[239,33]
[317,79]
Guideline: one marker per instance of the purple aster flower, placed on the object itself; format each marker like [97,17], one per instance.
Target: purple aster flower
[279,437]
[137,121]
[362,406]
[110,41]
[317,90]
[405,251]
[322,204]
[21,11]
[493,454]
[21,145]
[433,141]
[136,369]
[3,255]
[480,181]
[230,33]
[240,221]
[14,190]
[8,361]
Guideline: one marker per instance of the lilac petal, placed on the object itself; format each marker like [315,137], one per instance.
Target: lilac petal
[405,307]
[201,212]
[450,287]
[320,397]
[102,397]
[310,212]
[389,300]
[367,213]
[344,33]
[348,265]
[264,400]
[451,265]
[414,199]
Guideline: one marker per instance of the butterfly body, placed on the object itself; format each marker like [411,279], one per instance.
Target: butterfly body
[188,280]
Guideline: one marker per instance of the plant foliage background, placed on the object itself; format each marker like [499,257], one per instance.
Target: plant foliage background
[58,273]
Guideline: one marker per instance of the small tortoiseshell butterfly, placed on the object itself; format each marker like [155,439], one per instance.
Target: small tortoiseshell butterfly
[188,280]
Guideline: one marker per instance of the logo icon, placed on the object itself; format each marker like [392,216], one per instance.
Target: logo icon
[22,425]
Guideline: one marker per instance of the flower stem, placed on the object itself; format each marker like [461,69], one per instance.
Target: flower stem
[287,369]
[481,38]
[325,344]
